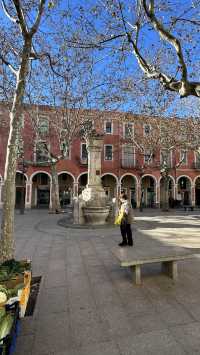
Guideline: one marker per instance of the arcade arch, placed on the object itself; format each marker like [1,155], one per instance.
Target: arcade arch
[184,184]
[197,191]
[66,185]
[20,188]
[171,191]
[129,186]
[109,183]
[148,190]
[82,182]
[40,197]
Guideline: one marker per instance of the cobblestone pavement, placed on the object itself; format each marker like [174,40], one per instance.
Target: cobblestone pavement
[88,305]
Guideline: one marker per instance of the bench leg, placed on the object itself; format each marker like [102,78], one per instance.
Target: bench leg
[171,269]
[136,271]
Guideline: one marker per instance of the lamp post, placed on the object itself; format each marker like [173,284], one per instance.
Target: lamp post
[23,167]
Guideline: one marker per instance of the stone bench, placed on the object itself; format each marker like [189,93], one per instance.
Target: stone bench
[188,207]
[168,257]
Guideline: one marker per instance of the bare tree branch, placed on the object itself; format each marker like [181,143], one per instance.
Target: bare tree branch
[21,17]
[34,28]
[9,65]
[166,35]
[11,18]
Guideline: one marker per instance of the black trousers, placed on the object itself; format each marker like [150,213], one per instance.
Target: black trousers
[126,233]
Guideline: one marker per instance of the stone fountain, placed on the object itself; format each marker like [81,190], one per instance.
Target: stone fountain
[91,207]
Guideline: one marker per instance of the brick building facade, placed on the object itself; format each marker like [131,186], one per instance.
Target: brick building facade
[123,166]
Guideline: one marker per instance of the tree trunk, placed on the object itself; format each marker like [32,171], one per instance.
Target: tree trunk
[55,200]
[7,225]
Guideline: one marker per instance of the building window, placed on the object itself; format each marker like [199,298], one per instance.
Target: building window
[128,156]
[183,157]
[108,127]
[84,153]
[147,157]
[147,129]
[43,125]
[165,158]
[42,152]
[108,152]
[128,130]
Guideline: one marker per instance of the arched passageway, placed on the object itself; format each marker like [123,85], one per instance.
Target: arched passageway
[197,192]
[184,190]
[171,197]
[82,182]
[129,186]
[109,184]
[20,185]
[66,183]
[40,190]
[148,190]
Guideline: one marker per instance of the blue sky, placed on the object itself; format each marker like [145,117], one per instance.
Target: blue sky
[106,61]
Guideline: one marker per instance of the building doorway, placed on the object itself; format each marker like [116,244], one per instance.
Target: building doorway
[128,185]
[66,183]
[184,190]
[197,192]
[110,186]
[20,183]
[40,191]
[148,190]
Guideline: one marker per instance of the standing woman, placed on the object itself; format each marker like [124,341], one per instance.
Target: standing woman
[127,219]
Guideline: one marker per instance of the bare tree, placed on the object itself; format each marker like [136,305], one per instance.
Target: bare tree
[161,35]
[16,54]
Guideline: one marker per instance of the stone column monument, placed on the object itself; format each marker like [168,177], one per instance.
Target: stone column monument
[93,200]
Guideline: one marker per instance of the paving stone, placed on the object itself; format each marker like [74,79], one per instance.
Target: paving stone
[47,343]
[152,343]
[55,279]
[88,304]
[28,326]
[24,345]
[117,319]
[53,300]
[96,332]
[108,348]
[145,323]
[188,336]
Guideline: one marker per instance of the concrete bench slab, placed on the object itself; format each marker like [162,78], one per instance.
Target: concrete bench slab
[136,257]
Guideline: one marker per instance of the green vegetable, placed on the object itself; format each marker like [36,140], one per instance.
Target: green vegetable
[4,273]
[11,268]
[6,325]
[2,312]
[3,294]
[19,287]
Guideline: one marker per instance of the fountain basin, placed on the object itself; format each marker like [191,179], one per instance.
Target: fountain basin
[95,215]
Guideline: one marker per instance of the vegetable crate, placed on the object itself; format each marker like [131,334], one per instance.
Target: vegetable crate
[23,282]
[16,279]
[10,329]
[24,293]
